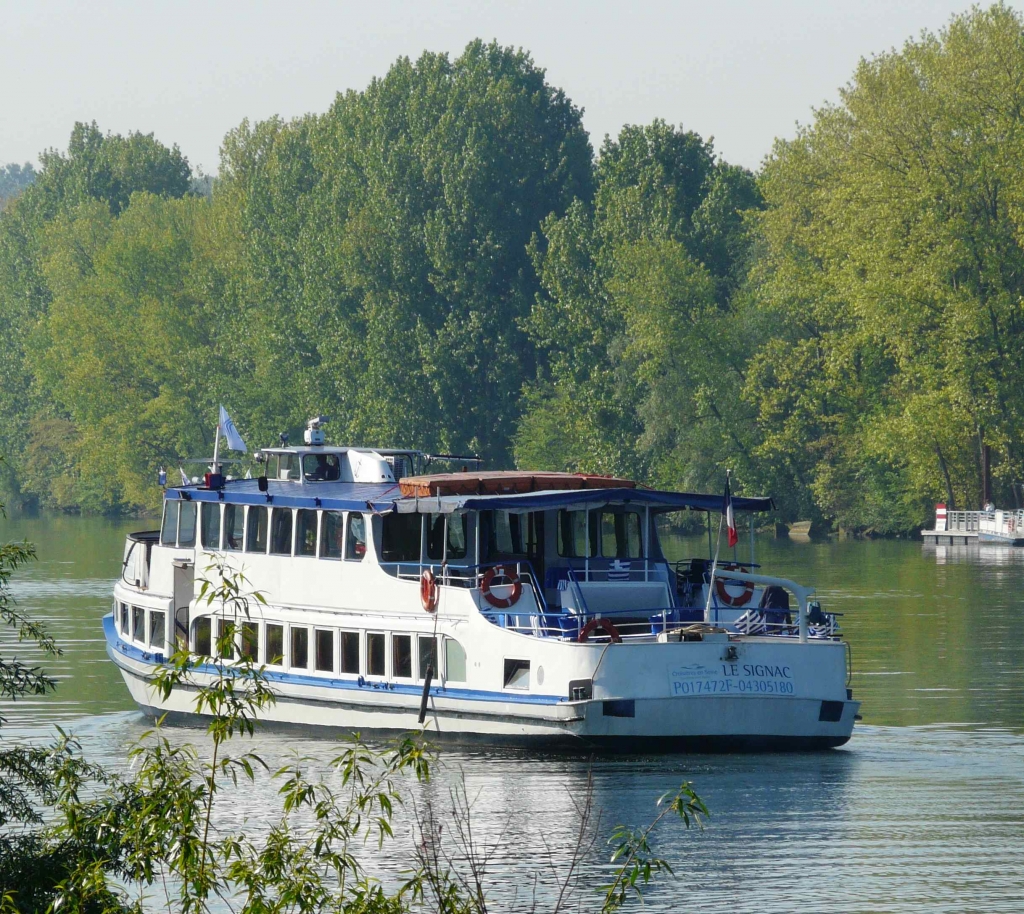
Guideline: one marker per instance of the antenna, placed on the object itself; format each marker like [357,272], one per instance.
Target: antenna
[314,434]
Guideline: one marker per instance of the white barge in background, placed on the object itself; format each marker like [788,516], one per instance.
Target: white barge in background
[515,608]
[993,526]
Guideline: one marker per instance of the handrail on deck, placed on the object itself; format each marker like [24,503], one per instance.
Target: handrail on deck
[798,590]
[469,576]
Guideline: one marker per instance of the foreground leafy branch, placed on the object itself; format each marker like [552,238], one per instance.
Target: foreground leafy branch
[89,841]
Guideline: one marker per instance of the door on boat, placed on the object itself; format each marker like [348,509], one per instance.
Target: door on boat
[184,586]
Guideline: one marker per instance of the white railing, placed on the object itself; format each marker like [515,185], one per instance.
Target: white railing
[963,521]
[800,592]
[1002,523]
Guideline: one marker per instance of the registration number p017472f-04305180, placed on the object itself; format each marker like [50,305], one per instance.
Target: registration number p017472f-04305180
[730,679]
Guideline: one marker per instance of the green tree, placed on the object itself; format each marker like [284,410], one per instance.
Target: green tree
[387,244]
[14,178]
[643,342]
[893,269]
[97,168]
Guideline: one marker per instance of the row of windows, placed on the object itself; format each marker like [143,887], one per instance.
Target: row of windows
[259,529]
[405,537]
[132,625]
[612,534]
[375,655]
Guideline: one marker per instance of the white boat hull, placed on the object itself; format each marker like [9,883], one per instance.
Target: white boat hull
[807,708]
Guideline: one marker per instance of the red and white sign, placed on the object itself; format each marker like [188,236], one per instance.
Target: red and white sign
[940,518]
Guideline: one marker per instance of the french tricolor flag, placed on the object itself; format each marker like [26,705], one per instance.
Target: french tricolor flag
[730,520]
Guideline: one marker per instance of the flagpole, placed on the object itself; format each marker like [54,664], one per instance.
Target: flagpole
[718,545]
[714,566]
[216,450]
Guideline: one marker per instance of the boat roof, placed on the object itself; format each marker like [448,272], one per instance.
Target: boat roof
[384,498]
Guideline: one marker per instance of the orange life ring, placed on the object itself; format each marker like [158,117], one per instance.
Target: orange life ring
[499,571]
[727,598]
[610,630]
[428,591]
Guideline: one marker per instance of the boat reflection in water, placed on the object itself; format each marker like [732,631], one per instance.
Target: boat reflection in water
[509,608]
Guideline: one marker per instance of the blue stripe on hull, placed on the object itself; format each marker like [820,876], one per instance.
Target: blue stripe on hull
[155,659]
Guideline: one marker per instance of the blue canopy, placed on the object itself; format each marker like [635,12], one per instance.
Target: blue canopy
[382,498]
[580,499]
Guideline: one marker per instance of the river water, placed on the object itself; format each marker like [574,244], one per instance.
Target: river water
[922,811]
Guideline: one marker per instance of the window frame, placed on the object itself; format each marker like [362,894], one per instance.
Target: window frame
[317,632]
[139,612]
[194,636]
[274,514]
[322,535]
[299,512]
[366,536]
[224,527]
[192,506]
[375,677]
[341,652]
[249,510]
[215,547]
[292,629]
[395,636]
[465,661]
[418,664]
[162,644]
[268,658]
[174,505]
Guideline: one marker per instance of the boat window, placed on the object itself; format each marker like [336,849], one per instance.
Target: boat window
[234,527]
[321,467]
[169,527]
[125,621]
[210,522]
[400,539]
[428,656]
[620,535]
[631,541]
[274,644]
[324,650]
[517,674]
[355,542]
[138,623]
[435,537]
[156,629]
[250,640]
[401,656]
[281,532]
[455,527]
[375,654]
[305,532]
[350,652]
[332,534]
[572,533]
[288,466]
[300,648]
[187,524]
[256,529]
[202,636]
[454,661]
[508,534]
[225,639]
[457,537]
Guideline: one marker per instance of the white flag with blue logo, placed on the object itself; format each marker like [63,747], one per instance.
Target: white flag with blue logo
[235,441]
[618,570]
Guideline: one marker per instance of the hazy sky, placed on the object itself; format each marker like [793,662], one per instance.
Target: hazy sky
[189,71]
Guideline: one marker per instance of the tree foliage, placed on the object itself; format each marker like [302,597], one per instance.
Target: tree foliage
[439,261]
[892,269]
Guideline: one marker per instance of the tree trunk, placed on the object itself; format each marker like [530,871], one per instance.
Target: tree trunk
[950,500]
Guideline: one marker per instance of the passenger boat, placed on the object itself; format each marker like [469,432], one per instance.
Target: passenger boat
[1002,527]
[535,609]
